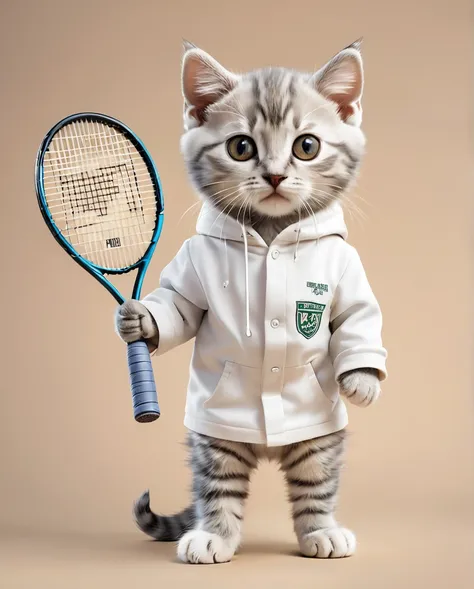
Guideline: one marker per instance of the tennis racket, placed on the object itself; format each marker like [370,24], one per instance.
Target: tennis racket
[100,195]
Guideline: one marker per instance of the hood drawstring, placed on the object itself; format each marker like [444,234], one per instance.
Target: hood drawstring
[248,333]
[295,257]
[225,284]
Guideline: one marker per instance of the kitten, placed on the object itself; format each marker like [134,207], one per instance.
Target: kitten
[267,149]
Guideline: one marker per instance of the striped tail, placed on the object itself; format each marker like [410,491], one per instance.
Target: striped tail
[164,528]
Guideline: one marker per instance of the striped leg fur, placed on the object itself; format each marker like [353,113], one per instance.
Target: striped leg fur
[312,470]
[221,476]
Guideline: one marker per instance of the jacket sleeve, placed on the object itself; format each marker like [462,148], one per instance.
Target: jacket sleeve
[356,323]
[178,304]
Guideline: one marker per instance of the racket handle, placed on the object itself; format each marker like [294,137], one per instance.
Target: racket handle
[142,383]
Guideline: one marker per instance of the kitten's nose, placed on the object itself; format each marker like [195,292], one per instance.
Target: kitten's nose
[274,180]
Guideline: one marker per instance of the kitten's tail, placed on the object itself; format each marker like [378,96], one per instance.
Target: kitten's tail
[165,528]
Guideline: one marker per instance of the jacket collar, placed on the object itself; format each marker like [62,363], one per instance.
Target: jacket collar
[329,221]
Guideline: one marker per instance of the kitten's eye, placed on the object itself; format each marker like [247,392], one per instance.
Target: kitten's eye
[306,147]
[241,148]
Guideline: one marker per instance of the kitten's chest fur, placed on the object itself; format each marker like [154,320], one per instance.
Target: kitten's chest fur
[269,227]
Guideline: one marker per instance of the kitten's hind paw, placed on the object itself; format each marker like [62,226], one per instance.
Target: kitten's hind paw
[328,543]
[200,547]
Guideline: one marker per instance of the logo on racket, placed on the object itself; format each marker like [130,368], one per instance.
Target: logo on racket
[113,242]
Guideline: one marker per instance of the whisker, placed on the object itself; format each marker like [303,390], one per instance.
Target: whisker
[227,216]
[354,211]
[223,190]
[309,210]
[238,191]
[312,111]
[213,183]
[328,185]
[244,203]
[356,195]
[320,202]
[229,112]
[323,192]
[188,210]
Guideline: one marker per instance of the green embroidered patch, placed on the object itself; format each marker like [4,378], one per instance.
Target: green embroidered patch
[308,317]
[317,288]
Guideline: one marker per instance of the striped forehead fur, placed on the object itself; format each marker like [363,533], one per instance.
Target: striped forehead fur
[273,90]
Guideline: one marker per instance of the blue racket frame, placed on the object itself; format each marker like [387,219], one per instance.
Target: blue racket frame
[137,352]
[93,269]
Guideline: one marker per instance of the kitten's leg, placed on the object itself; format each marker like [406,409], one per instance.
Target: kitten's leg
[221,475]
[312,473]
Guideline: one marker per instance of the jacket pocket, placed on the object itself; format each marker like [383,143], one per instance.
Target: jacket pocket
[236,399]
[303,397]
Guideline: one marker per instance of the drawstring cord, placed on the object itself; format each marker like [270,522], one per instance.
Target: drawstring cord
[247,296]
[226,281]
[248,333]
[297,244]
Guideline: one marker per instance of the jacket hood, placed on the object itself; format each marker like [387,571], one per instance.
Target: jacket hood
[330,221]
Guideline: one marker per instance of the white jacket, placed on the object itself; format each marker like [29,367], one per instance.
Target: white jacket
[274,326]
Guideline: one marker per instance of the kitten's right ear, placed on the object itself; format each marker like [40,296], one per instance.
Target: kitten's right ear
[187,45]
[342,81]
[204,81]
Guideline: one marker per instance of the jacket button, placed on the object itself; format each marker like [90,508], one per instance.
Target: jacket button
[275,254]
[275,369]
[274,323]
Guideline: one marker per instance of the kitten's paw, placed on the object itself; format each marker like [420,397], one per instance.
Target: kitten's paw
[133,322]
[361,387]
[199,547]
[328,543]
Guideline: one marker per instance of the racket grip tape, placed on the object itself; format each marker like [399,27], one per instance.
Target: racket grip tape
[142,383]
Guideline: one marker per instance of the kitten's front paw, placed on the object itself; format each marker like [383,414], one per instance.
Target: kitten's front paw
[133,322]
[328,543]
[200,547]
[360,387]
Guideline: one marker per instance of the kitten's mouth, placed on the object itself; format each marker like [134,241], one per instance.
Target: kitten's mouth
[274,198]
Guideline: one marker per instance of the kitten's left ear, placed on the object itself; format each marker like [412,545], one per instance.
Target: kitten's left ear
[341,80]
[204,81]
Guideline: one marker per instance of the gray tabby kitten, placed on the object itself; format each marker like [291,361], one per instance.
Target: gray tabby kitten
[276,105]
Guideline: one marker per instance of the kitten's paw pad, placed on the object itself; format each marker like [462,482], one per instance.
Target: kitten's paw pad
[329,543]
[199,547]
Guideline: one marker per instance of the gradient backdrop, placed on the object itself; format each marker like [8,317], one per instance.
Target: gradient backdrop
[72,457]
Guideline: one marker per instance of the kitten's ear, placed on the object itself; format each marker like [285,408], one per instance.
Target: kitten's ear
[342,81]
[187,45]
[204,81]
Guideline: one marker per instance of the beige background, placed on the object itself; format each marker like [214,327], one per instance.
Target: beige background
[72,457]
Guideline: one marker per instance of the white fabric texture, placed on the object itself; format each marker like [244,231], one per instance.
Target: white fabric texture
[311,316]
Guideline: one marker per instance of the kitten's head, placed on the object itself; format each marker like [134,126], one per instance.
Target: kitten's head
[272,143]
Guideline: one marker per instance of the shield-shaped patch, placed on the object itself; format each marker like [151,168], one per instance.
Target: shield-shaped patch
[308,317]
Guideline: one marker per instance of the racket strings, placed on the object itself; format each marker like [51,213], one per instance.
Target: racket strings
[91,192]
[151,199]
[98,189]
[121,147]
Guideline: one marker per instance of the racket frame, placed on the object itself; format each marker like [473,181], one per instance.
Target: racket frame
[99,272]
